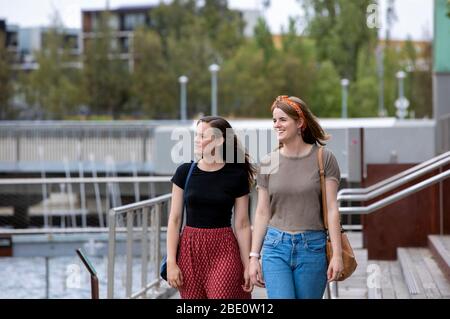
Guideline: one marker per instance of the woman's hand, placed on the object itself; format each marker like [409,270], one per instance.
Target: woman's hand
[335,268]
[248,285]
[174,276]
[255,272]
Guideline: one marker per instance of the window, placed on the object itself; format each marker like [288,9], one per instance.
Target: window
[95,22]
[114,22]
[133,20]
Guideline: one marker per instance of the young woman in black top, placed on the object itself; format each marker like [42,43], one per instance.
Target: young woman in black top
[212,260]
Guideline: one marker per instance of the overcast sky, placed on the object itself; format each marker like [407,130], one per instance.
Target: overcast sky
[414,17]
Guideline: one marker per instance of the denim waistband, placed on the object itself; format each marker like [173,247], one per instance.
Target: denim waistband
[285,236]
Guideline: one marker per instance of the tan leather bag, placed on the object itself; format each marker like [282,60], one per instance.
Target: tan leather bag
[348,257]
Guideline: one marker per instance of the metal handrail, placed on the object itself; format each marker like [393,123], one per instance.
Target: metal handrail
[393,184]
[92,272]
[83,183]
[141,204]
[85,180]
[130,210]
[394,178]
[395,197]
[74,230]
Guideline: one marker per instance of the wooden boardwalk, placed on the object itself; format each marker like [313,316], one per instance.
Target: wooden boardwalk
[415,275]
[258,293]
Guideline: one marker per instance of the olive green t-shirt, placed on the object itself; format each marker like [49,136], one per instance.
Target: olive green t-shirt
[293,184]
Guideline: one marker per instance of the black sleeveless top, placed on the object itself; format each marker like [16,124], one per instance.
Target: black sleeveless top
[210,196]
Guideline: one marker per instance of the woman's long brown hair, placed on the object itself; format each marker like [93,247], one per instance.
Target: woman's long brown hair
[231,142]
[313,132]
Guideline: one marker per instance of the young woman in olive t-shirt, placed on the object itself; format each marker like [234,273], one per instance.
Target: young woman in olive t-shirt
[288,222]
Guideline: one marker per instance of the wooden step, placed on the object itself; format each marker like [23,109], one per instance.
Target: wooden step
[408,270]
[385,280]
[440,248]
[423,277]
[355,287]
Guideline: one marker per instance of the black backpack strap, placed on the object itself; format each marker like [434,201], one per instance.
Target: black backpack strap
[191,169]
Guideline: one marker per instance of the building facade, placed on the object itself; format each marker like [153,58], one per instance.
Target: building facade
[10,38]
[35,39]
[122,21]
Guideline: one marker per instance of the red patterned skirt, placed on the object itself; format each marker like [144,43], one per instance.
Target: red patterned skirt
[210,262]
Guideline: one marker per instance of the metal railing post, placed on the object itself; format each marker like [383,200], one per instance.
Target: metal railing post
[111,253]
[129,269]
[335,289]
[145,212]
[328,291]
[94,288]
[92,272]
[158,239]
[155,221]
[441,206]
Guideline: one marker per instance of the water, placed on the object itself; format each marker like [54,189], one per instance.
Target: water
[25,277]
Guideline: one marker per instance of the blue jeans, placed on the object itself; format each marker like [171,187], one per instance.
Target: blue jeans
[294,266]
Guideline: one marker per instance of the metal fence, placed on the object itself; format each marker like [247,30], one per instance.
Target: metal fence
[150,213]
[71,201]
[53,142]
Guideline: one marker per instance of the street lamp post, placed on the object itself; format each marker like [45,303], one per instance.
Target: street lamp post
[214,69]
[183,80]
[344,84]
[402,102]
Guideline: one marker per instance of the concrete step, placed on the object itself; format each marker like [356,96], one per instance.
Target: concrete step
[422,275]
[440,248]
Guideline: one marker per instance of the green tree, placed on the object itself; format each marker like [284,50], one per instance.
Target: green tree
[298,64]
[192,37]
[339,28]
[6,85]
[213,20]
[153,83]
[54,86]
[264,39]
[173,19]
[326,100]
[363,96]
[224,27]
[248,84]
[254,76]
[418,84]
[259,72]
[391,67]
[105,75]
[192,56]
